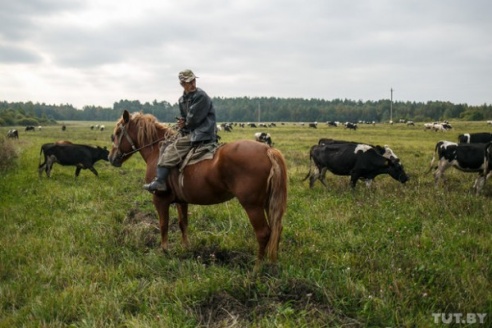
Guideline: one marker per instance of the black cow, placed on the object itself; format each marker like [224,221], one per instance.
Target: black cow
[264,137]
[14,134]
[479,137]
[359,161]
[313,125]
[30,128]
[474,157]
[81,156]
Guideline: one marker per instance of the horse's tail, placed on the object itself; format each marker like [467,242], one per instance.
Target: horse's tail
[41,152]
[277,200]
[309,174]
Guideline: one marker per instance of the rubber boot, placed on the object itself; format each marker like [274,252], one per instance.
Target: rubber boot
[159,183]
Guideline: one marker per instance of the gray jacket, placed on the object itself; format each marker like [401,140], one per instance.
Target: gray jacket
[199,113]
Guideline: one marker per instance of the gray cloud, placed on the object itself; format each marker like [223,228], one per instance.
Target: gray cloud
[91,52]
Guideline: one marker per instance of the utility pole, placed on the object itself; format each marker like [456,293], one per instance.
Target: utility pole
[259,112]
[391,106]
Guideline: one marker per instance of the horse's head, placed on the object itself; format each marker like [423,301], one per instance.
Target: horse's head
[134,133]
[123,140]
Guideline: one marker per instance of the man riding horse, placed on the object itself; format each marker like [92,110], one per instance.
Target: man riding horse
[197,125]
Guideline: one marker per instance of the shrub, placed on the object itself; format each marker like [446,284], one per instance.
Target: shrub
[9,154]
[27,121]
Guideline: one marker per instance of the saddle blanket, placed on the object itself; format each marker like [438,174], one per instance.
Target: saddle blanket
[199,153]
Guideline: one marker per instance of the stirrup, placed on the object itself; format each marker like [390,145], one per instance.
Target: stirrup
[155,185]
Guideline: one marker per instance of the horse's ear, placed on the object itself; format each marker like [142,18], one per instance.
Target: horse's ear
[126,116]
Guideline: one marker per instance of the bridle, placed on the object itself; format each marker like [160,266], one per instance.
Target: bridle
[124,133]
[120,155]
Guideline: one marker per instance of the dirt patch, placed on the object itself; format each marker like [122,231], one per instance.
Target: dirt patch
[140,230]
[244,306]
[215,255]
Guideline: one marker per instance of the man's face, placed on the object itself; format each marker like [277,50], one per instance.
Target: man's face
[189,86]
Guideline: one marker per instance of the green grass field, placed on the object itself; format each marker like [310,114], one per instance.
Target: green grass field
[85,252]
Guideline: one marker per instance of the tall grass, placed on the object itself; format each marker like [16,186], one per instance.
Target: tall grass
[84,251]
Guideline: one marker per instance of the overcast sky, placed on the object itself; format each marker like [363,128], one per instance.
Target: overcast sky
[97,52]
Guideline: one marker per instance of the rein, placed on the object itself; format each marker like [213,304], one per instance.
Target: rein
[135,149]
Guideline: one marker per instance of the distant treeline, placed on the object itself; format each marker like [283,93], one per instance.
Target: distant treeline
[247,109]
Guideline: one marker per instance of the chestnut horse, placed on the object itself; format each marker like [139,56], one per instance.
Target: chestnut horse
[251,171]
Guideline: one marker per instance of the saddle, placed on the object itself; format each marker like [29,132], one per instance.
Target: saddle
[199,153]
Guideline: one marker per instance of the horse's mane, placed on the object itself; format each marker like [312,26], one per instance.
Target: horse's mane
[149,128]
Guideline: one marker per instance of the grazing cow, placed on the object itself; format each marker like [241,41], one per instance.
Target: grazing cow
[359,161]
[410,123]
[479,137]
[464,157]
[350,125]
[264,137]
[438,127]
[30,128]
[385,151]
[313,125]
[66,153]
[435,126]
[14,134]
[64,127]
[226,127]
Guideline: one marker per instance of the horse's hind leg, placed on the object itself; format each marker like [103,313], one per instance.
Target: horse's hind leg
[183,223]
[260,225]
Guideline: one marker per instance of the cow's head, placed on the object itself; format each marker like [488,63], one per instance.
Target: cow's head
[396,171]
[103,153]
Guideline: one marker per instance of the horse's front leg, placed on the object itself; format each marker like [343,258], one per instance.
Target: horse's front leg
[183,223]
[163,212]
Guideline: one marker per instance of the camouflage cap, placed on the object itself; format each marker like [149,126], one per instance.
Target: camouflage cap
[186,76]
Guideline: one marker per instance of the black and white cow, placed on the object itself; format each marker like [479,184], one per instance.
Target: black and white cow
[313,125]
[350,125]
[68,154]
[359,161]
[479,137]
[13,134]
[264,137]
[464,157]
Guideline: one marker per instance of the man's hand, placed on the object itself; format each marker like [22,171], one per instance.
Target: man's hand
[181,122]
